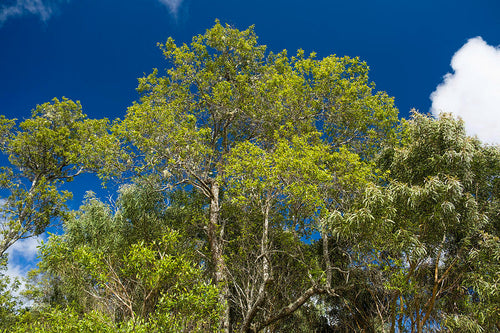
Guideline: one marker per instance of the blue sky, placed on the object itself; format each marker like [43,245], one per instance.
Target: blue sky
[94,50]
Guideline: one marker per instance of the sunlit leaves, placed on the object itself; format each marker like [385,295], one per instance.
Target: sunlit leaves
[52,147]
[302,169]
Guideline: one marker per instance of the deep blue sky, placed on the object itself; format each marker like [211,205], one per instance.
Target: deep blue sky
[94,50]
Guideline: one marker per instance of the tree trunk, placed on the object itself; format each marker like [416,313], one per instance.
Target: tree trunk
[418,321]
[216,252]
[401,310]
[326,257]
[393,312]
[265,243]
[266,276]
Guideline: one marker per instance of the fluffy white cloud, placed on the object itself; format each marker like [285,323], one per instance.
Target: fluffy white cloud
[25,249]
[23,257]
[472,92]
[173,5]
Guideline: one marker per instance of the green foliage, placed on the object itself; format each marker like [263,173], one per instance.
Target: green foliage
[56,320]
[427,220]
[8,301]
[483,305]
[261,187]
[45,151]
[162,282]
[300,172]
[221,90]
[103,263]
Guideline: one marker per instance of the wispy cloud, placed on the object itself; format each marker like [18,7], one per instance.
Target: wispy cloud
[173,5]
[472,92]
[46,8]
[41,8]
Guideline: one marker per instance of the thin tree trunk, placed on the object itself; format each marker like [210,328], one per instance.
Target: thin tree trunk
[418,322]
[393,312]
[429,305]
[217,251]
[413,266]
[326,258]
[265,243]
[266,276]
[401,310]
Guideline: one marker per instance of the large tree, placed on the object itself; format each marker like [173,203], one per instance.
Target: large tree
[291,189]
[222,90]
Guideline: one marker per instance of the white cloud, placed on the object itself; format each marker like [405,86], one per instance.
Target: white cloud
[25,249]
[18,272]
[173,5]
[42,8]
[472,92]
[23,258]
[15,272]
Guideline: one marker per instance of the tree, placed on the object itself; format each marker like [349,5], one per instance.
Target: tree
[430,216]
[45,151]
[220,91]
[479,311]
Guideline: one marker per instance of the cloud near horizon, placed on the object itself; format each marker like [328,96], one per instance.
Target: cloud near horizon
[472,92]
[23,258]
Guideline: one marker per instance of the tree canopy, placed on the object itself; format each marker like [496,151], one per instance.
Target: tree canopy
[257,192]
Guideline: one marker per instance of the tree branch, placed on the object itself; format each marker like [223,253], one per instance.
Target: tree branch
[292,307]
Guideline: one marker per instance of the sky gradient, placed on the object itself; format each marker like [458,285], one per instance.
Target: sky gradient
[94,51]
